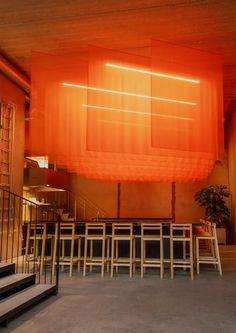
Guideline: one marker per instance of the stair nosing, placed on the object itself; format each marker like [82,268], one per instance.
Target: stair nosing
[21,304]
[16,281]
[6,264]
[4,267]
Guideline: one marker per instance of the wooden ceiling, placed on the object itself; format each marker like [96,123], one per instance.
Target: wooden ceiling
[67,27]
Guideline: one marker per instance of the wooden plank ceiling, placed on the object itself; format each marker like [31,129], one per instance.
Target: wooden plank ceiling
[67,27]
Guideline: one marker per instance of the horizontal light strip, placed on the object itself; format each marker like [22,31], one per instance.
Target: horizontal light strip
[118,92]
[152,73]
[135,112]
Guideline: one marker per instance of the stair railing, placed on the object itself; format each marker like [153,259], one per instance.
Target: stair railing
[83,208]
[27,233]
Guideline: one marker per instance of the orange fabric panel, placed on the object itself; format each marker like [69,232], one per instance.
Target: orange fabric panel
[120,116]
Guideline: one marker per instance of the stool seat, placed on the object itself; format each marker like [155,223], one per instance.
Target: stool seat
[96,237]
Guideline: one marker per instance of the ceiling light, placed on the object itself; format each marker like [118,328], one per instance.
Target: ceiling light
[152,73]
[118,92]
[135,112]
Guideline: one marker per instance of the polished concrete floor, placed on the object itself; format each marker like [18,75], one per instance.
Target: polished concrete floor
[123,305]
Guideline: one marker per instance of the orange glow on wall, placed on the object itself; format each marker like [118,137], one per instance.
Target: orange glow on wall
[124,117]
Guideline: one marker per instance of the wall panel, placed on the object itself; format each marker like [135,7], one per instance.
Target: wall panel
[11,93]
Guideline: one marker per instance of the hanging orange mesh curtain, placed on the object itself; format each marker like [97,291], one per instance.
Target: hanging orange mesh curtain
[117,109]
[57,115]
[192,79]
[124,117]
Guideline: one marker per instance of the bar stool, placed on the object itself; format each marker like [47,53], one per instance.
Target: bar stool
[122,232]
[207,249]
[67,234]
[95,232]
[36,236]
[152,232]
[181,233]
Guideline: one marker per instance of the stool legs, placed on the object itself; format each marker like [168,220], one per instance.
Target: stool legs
[214,255]
[71,256]
[95,232]
[134,255]
[115,257]
[63,254]
[91,255]
[161,259]
[54,255]
[171,260]
[108,253]
[116,254]
[90,263]
[85,255]
[191,258]
[218,257]
[152,234]
[181,233]
[211,255]
[42,254]
[79,253]
[112,255]
[103,256]
[131,259]
[197,255]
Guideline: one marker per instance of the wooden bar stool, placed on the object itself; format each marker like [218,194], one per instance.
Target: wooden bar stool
[95,232]
[36,236]
[152,232]
[207,249]
[67,235]
[122,232]
[181,233]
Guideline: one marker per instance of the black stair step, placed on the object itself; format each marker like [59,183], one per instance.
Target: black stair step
[6,269]
[24,299]
[15,282]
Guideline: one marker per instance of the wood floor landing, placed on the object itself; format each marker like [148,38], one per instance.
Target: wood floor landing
[228,257]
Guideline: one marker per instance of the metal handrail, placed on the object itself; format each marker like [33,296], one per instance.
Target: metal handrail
[25,229]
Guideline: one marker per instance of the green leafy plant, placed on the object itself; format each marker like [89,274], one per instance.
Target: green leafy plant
[212,199]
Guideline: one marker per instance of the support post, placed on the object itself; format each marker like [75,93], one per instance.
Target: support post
[173,200]
[118,200]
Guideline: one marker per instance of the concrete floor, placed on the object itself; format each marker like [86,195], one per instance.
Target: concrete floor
[94,304]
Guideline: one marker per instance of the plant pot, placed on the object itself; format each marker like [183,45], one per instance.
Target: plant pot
[221,235]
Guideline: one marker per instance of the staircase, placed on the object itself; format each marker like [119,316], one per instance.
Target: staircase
[19,292]
[27,231]
[70,206]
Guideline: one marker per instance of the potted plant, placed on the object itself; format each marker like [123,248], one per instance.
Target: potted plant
[212,199]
